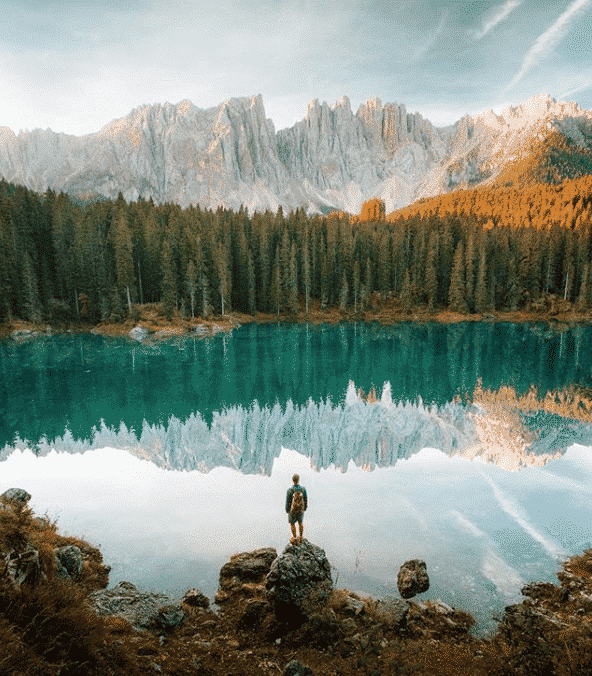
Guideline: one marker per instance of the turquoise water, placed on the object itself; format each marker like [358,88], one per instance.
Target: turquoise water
[52,384]
[174,455]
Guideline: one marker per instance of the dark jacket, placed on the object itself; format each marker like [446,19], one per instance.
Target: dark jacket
[290,493]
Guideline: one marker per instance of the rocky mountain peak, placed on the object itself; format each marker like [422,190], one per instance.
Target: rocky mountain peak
[231,155]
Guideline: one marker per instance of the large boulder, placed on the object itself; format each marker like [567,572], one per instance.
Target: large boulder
[299,582]
[68,562]
[196,599]
[244,575]
[21,567]
[249,566]
[143,610]
[392,612]
[413,578]
[15,495]
[242,594]
[19,334]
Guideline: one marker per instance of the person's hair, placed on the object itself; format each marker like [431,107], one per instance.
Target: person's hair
[295,478]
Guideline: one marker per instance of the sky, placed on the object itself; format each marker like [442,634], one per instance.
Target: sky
[74,66]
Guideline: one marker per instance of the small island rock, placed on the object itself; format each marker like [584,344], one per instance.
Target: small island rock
[140,332]
[413,578]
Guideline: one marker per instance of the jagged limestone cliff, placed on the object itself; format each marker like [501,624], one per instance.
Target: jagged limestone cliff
[231,155]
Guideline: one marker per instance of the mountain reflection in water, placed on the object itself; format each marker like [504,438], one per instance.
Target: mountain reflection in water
[499,426]
[235,399]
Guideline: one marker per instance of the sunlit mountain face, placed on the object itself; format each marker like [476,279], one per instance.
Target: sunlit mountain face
[334,159]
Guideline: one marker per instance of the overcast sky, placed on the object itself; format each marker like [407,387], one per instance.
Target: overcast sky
[75,66]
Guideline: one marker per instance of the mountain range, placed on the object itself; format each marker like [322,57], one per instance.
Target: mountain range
[333,159]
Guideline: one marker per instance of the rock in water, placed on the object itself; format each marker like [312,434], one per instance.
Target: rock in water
[140,333]
[299,582]
[413,578]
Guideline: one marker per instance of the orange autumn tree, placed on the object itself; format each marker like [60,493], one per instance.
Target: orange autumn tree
[373,210]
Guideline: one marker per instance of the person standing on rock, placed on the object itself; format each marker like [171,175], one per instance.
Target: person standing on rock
[296,504]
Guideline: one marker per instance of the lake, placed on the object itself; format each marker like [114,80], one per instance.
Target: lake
[413,441]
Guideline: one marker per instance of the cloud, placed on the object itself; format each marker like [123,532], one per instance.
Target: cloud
[502,12]
[432,39]
[571,92]
[546,42]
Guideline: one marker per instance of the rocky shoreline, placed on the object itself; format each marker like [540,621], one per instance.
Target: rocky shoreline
[273,613]
[149,320]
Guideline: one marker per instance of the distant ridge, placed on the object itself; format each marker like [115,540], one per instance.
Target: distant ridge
[333,159]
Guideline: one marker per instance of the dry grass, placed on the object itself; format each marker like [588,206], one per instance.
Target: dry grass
[580,566]
[48,630]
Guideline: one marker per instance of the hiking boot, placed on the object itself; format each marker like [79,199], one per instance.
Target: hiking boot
[299,540]
[293,541]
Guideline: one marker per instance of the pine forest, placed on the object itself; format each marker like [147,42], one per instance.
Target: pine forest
[470,251]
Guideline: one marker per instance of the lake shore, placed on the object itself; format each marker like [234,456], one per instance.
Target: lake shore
[387,312]
[51,624]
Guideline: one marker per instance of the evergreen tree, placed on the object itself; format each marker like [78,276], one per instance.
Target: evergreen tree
[63,238]
[275,286]
[585,295]
[204,295]
[569,267]
[292,295]
[115,307]
[8,268]
[252,285]
[306,278]
[124,265]
[482,302]
[169,281]
[324,283]
[470,257]
[513,285]
[344,293]
[32,305]
[456,295]
[191,283]
[384,263]
[431,277]
[407,292]
[356,285]
[366,286]
[224,278]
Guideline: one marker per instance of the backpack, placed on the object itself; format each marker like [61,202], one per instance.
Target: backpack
[297,502]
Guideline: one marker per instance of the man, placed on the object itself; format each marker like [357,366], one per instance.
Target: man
[296,504]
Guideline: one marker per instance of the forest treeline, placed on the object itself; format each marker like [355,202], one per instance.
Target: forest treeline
[63,261]
[539,206]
